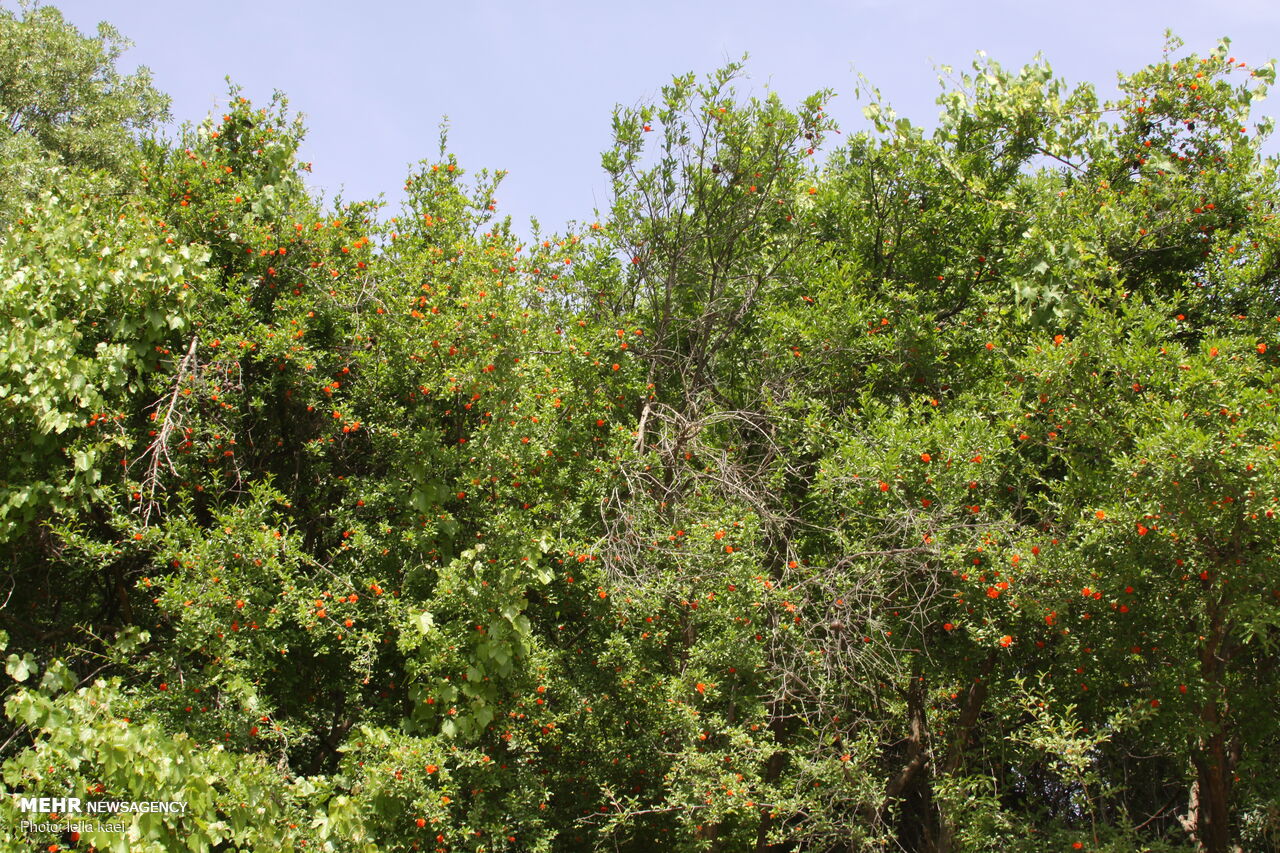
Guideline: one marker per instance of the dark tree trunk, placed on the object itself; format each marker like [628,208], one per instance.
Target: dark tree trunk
[1212,758]
[922,827]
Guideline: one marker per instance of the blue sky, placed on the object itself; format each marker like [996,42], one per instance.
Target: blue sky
[529,86]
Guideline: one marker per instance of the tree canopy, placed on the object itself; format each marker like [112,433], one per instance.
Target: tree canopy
[64,104]
[918,497]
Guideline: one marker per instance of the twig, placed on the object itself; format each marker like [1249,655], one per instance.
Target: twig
[160,446]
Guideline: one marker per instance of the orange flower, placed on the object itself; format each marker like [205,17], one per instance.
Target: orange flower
[1006,641]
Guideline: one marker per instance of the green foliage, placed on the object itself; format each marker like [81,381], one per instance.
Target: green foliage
[87,313]
[923,499]
[64,104]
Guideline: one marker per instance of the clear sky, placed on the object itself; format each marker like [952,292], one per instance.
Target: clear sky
[529,86]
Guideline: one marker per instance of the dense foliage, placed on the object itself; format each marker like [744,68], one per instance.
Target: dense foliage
[922,497]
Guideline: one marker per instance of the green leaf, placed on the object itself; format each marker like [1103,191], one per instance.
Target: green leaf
[57,678]
[20,668]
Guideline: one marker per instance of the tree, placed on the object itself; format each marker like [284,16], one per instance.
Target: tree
[64,104]
[923,499]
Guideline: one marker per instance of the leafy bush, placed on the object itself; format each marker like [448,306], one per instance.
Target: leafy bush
[920,497]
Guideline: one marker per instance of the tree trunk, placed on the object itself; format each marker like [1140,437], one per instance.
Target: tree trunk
[1212,759]
[973,702]
[922,824]
[919,820]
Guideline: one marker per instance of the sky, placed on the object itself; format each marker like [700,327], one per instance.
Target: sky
[530,86]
